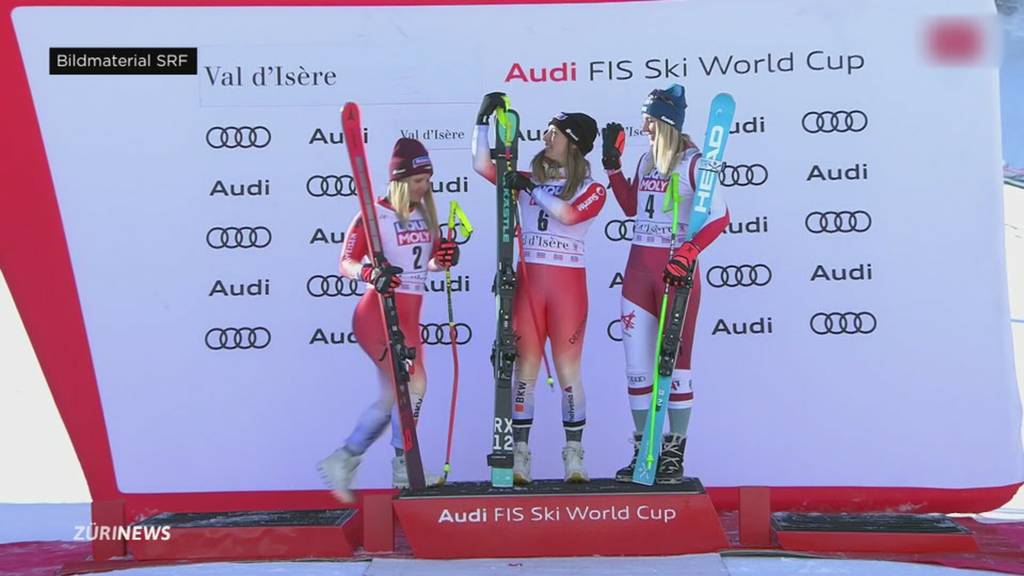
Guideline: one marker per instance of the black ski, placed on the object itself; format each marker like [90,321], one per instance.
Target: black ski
[503,353]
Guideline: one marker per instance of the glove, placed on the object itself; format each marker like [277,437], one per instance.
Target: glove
[384,279]
[447,255]
[518,181]
[680,267]
[492,101]
[614,141]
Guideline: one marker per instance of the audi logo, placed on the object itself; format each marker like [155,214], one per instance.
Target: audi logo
[743,175]
[332,286]
[329,185]
[614,330]
[829,121]
[459,238]
[237,338]
[734,276]
[434,334]
[241,237]
[843,323]
[238,137]
[833,222]
[619,230]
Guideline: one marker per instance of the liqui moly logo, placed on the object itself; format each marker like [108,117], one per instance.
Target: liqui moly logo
[709,170]
[653,185]
[564,72]
[412,232]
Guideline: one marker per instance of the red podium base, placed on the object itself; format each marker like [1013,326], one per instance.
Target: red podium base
[552,518]
[278,535]
[889,533]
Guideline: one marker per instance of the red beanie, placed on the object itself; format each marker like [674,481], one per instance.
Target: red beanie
[409,158]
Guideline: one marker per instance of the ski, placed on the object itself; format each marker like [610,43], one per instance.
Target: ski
[400,356]
[670,322]
[503,352]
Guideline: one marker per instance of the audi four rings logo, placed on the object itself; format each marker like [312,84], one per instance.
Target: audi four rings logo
[433,334]
[238,137]
[843,323]
[330,185]
[829,121]
[743,175]
[237,338]
[619,230]
[739,275]
[833,222]
[333,285]
[614,330]
[459,238]
[240,237]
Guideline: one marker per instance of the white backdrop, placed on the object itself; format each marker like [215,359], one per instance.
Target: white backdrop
[136,176]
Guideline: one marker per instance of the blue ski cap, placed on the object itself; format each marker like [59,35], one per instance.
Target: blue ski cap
[667,105]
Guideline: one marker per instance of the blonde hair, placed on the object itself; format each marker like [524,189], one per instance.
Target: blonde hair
[398,195]
[577,168]
[668,148]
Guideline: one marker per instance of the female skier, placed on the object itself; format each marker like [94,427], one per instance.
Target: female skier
[558,201]
[413,246]
[646,273]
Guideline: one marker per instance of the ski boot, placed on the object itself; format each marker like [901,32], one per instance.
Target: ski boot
[670,464]
[400,476]
[521,468]
[626,474]
[338,470]
[572,457]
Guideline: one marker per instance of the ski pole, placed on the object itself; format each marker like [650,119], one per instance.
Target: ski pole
[671,203]
[454,212]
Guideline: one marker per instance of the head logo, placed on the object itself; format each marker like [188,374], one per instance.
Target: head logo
[330,185]
[237,338]
[238,137]
[735,276]
[837,222]
[441,334]
[835,323]
[244,237]
[829,121]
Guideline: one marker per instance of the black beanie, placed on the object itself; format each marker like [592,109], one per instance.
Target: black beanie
[580,128]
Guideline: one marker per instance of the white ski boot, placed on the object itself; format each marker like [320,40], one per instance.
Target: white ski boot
[400,476]
[572,457]
[338,470]
[521,467]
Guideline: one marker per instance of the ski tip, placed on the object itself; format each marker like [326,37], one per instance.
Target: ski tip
[350,111]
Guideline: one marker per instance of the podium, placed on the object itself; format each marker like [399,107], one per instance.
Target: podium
[552,518]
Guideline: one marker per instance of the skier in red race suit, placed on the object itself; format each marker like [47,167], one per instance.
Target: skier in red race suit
[413,246]
[672,151]
[558,202]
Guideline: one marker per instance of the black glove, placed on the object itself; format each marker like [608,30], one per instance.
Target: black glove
[492,101]
[383,278]
[614,141]
[447,254]
[518,181]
